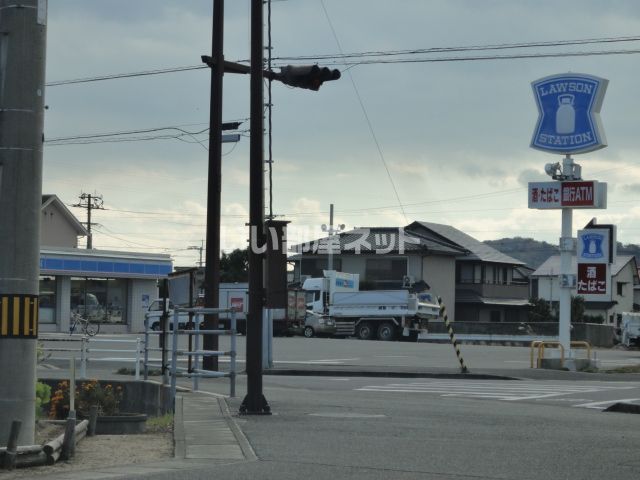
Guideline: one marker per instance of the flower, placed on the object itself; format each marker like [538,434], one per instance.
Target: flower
[89,393]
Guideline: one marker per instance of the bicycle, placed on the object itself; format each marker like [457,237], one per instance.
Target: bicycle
[86,326]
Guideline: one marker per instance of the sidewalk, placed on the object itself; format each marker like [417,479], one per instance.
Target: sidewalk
[204,429]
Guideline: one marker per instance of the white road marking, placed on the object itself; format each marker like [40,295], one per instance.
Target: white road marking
[506,390]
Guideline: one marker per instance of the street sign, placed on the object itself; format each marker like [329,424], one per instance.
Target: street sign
[569,113]
[593,281]
[581,194]
[594,246]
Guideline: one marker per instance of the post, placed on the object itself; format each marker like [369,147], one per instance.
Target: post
[232,361]
[9,461]
[69,442]
[214,187]
[137,377]
[22,71]
[196,359]
[566,252]
[174,354]
[83,357]
[93,420]
[255,402]
[146,348]
[330,263]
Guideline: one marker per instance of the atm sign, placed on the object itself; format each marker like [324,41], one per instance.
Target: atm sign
[582,194]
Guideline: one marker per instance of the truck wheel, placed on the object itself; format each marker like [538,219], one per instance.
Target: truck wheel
[387,332]
[308,332]
[364,331]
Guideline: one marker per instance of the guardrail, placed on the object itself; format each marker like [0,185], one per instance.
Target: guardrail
[541,344]
[85,350]
[193,370]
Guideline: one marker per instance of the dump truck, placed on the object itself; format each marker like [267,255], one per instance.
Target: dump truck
[369,314]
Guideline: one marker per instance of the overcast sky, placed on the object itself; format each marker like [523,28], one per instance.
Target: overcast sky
[451,138]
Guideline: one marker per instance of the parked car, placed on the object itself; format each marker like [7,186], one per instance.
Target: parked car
[317,324]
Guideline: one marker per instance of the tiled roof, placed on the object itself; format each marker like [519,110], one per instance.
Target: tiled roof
[551,266]
[379,240]
[479,250]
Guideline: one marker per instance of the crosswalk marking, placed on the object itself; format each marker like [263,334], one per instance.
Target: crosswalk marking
[500,390]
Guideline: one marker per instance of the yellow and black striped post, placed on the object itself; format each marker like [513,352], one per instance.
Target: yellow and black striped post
[454,342]
[18,316]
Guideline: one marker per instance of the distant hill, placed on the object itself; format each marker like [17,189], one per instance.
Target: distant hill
[530,251]
[534,253]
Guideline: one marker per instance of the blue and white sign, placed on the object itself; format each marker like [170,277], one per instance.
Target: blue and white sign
[569,113]
[594,245]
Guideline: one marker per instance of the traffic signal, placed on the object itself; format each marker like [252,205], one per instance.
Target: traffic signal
[307,76]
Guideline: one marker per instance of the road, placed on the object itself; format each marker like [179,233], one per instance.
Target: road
[353,427]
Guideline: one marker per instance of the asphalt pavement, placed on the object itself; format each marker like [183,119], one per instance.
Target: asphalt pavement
[349,409]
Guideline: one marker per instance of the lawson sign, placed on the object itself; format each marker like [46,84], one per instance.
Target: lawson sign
[569,113]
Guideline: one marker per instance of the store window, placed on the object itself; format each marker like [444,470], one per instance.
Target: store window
[47,300]
[99,300]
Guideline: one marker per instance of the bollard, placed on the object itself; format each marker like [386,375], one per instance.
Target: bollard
[83,357]
[93,420]
[454,342]
[69,442]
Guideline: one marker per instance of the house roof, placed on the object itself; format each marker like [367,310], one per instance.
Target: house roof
[379,240]
[50,199]
[478,250]
[551,266]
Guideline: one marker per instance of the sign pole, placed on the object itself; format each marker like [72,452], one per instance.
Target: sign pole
[566,252]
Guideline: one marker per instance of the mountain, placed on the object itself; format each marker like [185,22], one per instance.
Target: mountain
[530,251]
[534,253]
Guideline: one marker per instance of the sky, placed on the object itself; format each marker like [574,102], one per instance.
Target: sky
[387,144]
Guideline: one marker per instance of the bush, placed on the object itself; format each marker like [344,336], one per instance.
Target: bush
[43,396]
[89,393]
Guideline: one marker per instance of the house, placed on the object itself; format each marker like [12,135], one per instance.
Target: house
[476,282]
[108,287]
[490,286]
[624,283]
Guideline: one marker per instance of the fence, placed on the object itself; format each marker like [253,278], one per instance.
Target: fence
[193,370]
[84,352]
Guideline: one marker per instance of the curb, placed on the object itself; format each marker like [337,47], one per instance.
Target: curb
[378,373]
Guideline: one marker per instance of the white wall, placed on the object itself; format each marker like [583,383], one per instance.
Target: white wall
[55,229]
[135,309]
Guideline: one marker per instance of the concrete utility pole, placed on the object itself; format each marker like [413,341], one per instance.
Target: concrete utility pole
[22,76]
[90,202]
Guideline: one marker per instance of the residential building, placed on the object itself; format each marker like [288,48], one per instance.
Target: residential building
[624,283]
[109,287]
[490,286]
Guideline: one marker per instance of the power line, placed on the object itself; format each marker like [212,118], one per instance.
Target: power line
[407,52]
[366,116]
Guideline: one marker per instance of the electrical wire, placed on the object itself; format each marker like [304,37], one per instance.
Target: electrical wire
[366,116]
[408,52]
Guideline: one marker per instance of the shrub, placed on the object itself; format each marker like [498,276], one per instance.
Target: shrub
[43,396]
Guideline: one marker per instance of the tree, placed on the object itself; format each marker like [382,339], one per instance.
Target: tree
[234,266]
[577,309]
[540,311]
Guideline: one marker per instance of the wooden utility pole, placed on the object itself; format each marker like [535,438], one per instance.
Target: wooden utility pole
[22,77]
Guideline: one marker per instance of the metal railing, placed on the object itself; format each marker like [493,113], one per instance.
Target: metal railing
[85,351]
[541,344]
[193,370]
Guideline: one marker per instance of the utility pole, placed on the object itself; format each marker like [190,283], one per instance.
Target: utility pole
[255,402]
[90,202]
[200,248]
[214,186]
[22,77]
[331,231]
